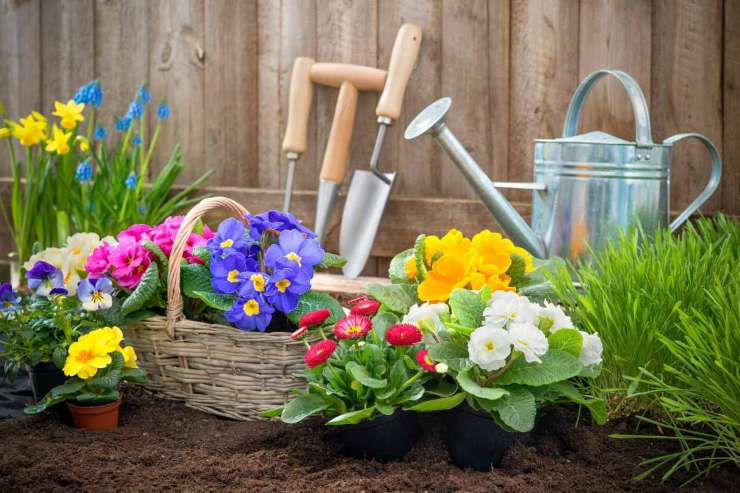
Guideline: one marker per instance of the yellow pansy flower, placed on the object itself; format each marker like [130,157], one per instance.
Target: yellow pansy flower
[59,142]
[453,242]
[30,131]
[69,113]
[450,271]
[86,356]
[129,357]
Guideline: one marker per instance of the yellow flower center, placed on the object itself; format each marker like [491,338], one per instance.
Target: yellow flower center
[227,243]
[76,250]
[354,329]
[251,308]
[489,345]
[282,285]
[7,304]
[522,342]
[84,356]
[258,281]
[428,360]
[232,276]
[294,257]
[96,297]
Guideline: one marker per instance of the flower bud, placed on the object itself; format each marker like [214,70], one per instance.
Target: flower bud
[441,368]
[299,333]
[366,308]
[316,317]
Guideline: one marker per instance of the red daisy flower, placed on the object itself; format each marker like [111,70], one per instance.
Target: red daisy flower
[319,353]
[299,333]
[422,357]
[403,335]
[316,317]
[352,326]
[366,307]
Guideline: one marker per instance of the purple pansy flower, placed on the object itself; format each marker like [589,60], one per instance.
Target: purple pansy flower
[8,298]
[230,237]
[277,221]
[95,294]
[295,247]
[251,311]
[45,279]
[230,272]
[288,283]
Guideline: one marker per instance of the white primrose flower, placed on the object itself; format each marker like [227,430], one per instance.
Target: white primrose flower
[79,247]
[505,307]
[489,346]
[528,339]
[426,311]
[592,349]
[552,318]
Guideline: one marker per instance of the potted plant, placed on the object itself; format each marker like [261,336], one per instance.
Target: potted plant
[360,377]
[505,354]
[96,363]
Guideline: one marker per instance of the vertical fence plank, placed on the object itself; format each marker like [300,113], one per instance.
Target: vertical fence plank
[544,73]
[614,34]
[686,89]
[731,95]
[465,42]
[417,163]
[176,71]
[499,69]
[230,89]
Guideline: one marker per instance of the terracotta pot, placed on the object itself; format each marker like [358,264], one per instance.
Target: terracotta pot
[96,418]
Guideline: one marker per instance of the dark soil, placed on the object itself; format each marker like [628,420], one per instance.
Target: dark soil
[162,445]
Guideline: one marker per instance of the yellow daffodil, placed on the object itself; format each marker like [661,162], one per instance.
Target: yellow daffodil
[453,242]
[59,142]
[4,133]
[86,356]
[450,271]
[83,143]
[40,119]
[129,357]
[493,252]
[30,131]
[69,113]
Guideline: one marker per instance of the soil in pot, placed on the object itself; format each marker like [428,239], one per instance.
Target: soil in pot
[95,418]
[44,377]
[474,440]
[280,323]
[384,438]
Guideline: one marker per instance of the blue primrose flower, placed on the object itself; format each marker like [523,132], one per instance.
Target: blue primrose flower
[91,93]
[250,311]
[287,284]
[45,279]
[144,95]
[8,298]
[295,247]
[230,237]
[84,172]
[229,273]
[123,124]
[163,111]
[131,181]
[276,221]
[100,132]
[135,110]
[95,294]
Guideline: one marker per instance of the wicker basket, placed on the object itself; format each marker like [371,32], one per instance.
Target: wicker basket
[214,368]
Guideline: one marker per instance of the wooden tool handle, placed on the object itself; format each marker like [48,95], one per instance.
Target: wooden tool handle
[363,78]
[299,106]
[340,136]
[403,60]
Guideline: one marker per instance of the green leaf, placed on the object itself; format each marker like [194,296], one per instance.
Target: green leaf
[443,388]
[597,407]
[421,269]
[272,413]
[59,356]
[360,374]
[67,388]
[144,292]
[397,298]
[517,410]
[332,261]
[386,409]
[381,322]
[352,417]
[195,277]
[467,306]
[516,269]
[441,404]
[568,340]
[397,269]
[446,351]
[471,387]
[108,378]
[302,407]
[203,253]
[154,248]
[133,375]
[92,398]
[221,302]
[556,366]
[313,300]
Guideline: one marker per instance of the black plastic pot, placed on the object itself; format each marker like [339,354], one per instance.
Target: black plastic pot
[474,440]
[384,438]
[44,377]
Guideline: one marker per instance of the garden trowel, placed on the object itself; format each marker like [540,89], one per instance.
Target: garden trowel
[369,189]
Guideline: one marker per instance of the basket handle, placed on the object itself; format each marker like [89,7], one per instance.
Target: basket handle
[174,295]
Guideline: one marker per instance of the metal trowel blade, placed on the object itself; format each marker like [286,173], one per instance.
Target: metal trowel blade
[363,211]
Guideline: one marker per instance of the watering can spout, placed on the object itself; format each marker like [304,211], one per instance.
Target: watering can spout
[432,121]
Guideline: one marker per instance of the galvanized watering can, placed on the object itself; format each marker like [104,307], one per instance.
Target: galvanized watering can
[586,187]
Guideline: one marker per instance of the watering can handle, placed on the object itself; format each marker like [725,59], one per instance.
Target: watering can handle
[714,177]
[639,105]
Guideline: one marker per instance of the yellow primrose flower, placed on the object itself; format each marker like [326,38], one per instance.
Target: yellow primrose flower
[111,337]
[494,253]
[83,143]
[86,356]
[69,113]
[59,143]
[450,271]
[497,282]
[129,356]
[410,265]
[453,242]
[30,131]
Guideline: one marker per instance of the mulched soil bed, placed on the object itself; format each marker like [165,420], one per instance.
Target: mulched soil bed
[163,445]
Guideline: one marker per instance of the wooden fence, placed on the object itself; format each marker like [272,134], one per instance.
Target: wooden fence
[510,65]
